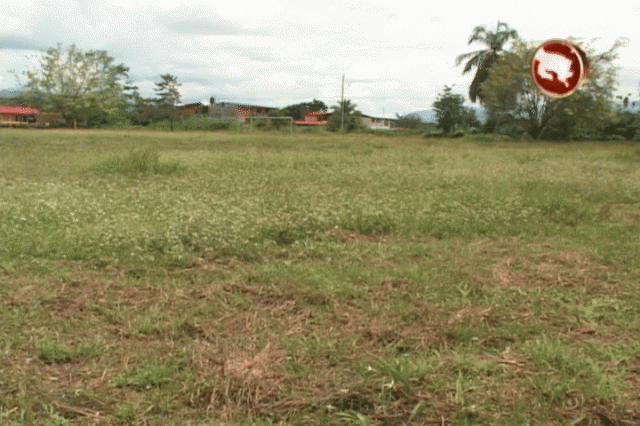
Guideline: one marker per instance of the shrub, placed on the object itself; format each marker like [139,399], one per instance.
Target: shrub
[259,124]
[433,134]
[193,123]
[615,138]
[488,137]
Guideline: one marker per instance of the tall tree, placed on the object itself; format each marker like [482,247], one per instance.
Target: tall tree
[484,59]
[142,111]
[408,121]
[86,87]
[449,110]
[350,116]
[510,92]
[469,118]
[298,111]
[169,96]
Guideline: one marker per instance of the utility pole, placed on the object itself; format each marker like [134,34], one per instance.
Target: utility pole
[342,105]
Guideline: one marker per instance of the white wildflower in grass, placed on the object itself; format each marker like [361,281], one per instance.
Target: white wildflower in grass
[244,196]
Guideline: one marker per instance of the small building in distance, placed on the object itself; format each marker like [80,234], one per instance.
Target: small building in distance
[316,118]
[379,123]
[18,115]
[51,119]
[238,112]
[192,109]
[320,118]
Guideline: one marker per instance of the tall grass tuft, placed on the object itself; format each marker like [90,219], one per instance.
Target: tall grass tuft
[137,163]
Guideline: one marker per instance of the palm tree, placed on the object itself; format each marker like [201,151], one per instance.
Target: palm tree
[484,59]
[350,115]
[348,107]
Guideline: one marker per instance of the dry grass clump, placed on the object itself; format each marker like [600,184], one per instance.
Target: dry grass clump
[239,381]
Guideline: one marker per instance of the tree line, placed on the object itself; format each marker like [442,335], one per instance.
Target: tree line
[503,86]
[89,89]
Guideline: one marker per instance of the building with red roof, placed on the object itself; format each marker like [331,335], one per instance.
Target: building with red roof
[319,118]
[17,115]
[316,118]
[238,112]
[192,109]
[379,123]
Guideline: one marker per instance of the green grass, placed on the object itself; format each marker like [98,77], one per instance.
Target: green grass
[51,352]
[271,278]
[149,376]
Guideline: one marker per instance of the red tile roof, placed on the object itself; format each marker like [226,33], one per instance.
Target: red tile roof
[18,110]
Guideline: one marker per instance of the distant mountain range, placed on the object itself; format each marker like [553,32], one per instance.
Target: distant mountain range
[9,93]
[429,115]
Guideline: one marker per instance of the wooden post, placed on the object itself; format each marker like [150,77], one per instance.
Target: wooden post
[342,105]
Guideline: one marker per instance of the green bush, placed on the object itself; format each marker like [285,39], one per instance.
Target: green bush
[488,137]
[259,124]
[511,129]
[123,126]
[193,123]
[433,134]
[310,129]
[615,138]
[396,132]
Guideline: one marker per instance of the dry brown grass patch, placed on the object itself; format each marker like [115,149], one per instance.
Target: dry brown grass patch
[567,269]
[393,287]
[470,313]
[239,381]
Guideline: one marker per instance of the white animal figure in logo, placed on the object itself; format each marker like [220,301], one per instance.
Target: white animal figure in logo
[552,63]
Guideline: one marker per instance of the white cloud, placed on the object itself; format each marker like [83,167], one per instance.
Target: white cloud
[397,56]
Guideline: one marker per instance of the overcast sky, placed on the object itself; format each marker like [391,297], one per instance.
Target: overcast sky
[397,55]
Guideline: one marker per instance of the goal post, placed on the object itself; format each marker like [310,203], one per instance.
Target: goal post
[271,118]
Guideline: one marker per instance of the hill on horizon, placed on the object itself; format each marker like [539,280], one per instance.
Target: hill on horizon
[429,115]
[10,93]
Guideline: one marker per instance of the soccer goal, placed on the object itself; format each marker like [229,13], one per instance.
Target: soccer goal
[271,118]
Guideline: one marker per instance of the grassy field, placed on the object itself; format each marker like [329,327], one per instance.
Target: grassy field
[158,278]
